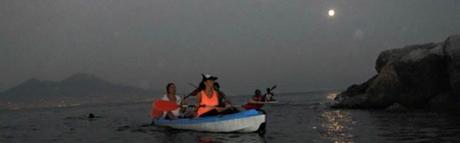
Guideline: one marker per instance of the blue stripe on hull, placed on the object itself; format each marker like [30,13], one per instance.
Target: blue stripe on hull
[239,115]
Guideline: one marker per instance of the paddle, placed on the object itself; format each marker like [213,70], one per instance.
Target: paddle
[155,113]
[160,106]
[273,87]
[192,85]
[164,106]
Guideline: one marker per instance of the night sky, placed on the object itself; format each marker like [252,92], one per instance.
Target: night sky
[248,44]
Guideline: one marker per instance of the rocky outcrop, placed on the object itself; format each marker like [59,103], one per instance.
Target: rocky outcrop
[417,76]
[452,50]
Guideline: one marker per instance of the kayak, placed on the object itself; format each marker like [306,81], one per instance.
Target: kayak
[268,102]
[244,122]
[257,105]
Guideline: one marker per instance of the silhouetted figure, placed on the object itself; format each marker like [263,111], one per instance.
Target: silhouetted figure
[91,116]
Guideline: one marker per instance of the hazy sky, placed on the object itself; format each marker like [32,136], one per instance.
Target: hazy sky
[246,43]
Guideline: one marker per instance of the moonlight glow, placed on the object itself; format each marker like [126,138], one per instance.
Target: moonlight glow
[331,12]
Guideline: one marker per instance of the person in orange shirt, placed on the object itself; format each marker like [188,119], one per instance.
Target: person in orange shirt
[209,99]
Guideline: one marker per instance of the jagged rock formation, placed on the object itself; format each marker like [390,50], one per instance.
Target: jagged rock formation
[417,76]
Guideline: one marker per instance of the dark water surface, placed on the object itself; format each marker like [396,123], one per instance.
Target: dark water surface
[299,117]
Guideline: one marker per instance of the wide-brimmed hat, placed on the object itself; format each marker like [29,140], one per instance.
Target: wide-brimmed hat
[208,77]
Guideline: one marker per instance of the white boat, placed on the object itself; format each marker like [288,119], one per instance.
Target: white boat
[244,122]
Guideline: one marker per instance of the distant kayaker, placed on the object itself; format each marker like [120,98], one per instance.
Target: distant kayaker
[269,95]
[208,99]
[256,101]
[171,96]
[257,97]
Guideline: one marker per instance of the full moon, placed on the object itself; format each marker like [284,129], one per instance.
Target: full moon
[331,12]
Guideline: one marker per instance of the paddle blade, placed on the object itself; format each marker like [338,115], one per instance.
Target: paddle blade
[162,105]
[156,113]
[273,87]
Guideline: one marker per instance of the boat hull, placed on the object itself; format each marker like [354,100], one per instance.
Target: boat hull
[245,122]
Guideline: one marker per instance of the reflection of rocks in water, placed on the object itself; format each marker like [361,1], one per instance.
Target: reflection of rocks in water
[336,126]
[396,107]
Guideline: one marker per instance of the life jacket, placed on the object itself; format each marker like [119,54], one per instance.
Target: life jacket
[207,103]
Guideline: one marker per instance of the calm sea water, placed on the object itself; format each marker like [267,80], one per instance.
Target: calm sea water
[299,117]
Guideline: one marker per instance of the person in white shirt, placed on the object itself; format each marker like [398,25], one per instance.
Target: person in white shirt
[171,96]
[269,95]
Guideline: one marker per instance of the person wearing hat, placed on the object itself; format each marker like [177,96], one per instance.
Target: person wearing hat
[208,98]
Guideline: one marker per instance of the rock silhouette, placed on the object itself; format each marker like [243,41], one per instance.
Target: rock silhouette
[423,76]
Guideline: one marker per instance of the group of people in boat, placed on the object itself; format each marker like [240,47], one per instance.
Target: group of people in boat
[258,100]
[210,100]
[258,97]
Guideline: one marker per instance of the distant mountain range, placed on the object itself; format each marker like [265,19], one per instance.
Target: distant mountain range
[77,89]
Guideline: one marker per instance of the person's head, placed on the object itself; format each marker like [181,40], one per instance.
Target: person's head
[208,80]
[268,90]
[257,92]
[171,88]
